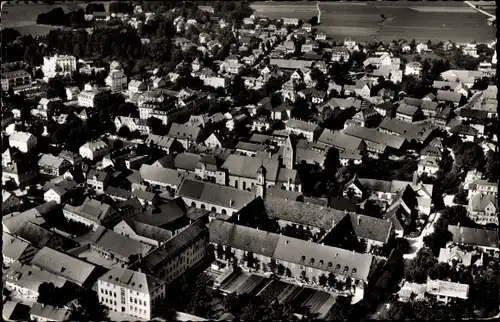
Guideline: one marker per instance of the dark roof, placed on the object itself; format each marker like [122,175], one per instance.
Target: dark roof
[164,214]
[371,228]
[182,240]
[342,204]
[118,192]
[474,236]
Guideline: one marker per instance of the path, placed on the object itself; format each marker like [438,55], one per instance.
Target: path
[479,10]
[319,12]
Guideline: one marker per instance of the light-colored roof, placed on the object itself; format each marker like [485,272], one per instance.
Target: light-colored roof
[447,254]
[183,131]
[162,141]
[145,230]
[215,194]
[13,247]
[118,244]
[95,145]
[13,222]
[21,137]
[132,280]
[340,140]
[429,162]
[478,202]
[291,64]
[159,174]
[449,96]
[30,277]
[369,134]
[474,236]
[70,268]
[302,125]
[448,289]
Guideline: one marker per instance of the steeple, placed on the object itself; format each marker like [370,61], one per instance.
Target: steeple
[261,181]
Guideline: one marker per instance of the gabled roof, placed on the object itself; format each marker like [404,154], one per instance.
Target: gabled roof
[133,280]
[478,202]
[340,140]
[163,175]
[371,228]
[449,96]
[369,134]
[117,243]
[63,265]
[245,166]
[474,236]
[215,194]
[406,109]
[183,131]
[186,161]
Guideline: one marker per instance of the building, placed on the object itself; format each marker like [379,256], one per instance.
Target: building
[455,256]
[142,232]
[342,141]
[483,209]
[89,98]
[340,54]
[25,279]
[408,113]
[482,238]
[413,68]
[94,149]
[24,141]
[444,291]
[131,292]
[98,180]
[136,86]
[51,165]
[302,128]
[185,134]
[92,213]
[428,165]
[21,173]
[42,312]
[214,197]
[16,250]
[116,80]
[302,259]
[60,191]
[178,255]
[290,21]
[58,64]
[163,178]
[17,80]
[470,50]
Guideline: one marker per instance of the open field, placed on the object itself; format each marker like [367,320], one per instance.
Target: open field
[421,21]
[22,17]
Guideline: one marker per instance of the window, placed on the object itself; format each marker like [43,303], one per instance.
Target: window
[354,271]
[321,263]
[193,204]
[135,301]
[330,264]
[106,292]
[337,267]
[213,209]
[224,211]
[346,269]
[302,259]
[131,299]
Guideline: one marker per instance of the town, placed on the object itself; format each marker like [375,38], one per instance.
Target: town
[192,161]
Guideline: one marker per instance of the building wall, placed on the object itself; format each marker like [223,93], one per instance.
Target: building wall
[209,206]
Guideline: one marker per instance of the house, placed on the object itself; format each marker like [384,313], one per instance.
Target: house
[25,279]
[72,157]
[144,233]
[164,143]
[470,50]
[392,142]
[366,117]
[449,97]
[467,77]
[385,109]
[139,294]
[16,250]
[58,64]
[465,132]
[43,312]
[483,209]
[419,132]
[444,291]
[91,213]
[408,113]
[68,267]
[118,194]
[481,238]
[166,179]
[136,86]
[342,141]
[428,165]
[184,134]
[413,68]
[23,141]
[482,187]
[88,98]
[72,93]
[340,54]
[98,180]
[94,149]
[54,166]
[290,21]
[116,247]
[60,191]
[213,141]
[21,173]
[455,256]
[421,47]
[10,202]
[183,251]
[361,88]
[17,80]
[299,257]
[116,80]
[302,128]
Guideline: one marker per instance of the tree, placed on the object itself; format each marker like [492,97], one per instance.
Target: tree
[340,310]
[468,156]
[491,166]
[332,161]
[88,308]
[419,267]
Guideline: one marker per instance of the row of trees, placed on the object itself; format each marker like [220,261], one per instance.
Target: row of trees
[57,17]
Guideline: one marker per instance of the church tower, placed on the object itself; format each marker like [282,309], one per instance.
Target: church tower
[261,181]
[289,152]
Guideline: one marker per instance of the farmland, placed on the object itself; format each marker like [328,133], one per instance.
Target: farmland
[427,21]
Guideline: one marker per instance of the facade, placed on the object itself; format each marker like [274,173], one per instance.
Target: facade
[91,213]
[58,64]
[52,165]
[24,141]
[483,209]
[116,80]
[130,292]
[298,127]
[94,149]
[17,80]
[88,98]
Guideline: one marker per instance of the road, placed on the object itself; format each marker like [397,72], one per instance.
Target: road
[409,20]
[416,243]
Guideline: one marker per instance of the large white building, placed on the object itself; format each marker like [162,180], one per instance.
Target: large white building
[24,141]
[88,98]
[130,292]
[94,149]
[58,64]
[116,80]
[16,80]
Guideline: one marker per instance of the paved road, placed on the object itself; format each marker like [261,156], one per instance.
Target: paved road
[455,21]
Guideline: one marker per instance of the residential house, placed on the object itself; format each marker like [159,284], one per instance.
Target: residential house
[21,173]
[91,213]
[58,64]
[342,141]
[444,291]
[428,165]
[94,149]
[17,80]
[361,88]
[467,77]
[139,296]
[98,180]
[184,134]
[290,21]
[455,256]
[483,209]
[421,48]
[408,113]
[136,86]
[60,191]
[16,250]
[72,93]
[465,132]
[482,238]
[302,128]
[213,141]
[116,80]
[167,179]
[88,98]
[44,312]
[449,97]
[144,233]
[413,68]
[367,117]
[165,143]
[340,54]
[23,141]
[54,166]
[470,50]
[25,280]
